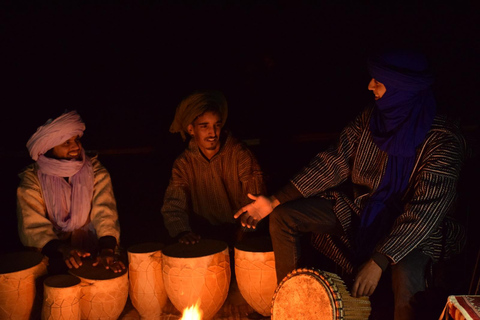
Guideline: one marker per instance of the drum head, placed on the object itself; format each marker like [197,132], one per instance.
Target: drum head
[61,281]
[146,247]
[204,247]
[88,271]
[304,294]
[255,244]
[16,261]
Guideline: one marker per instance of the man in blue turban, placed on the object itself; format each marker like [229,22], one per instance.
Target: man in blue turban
[400,161]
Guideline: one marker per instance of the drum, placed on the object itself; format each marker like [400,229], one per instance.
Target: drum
[104,293]
[147,292]
[18,290]
[310,294]
[61,297]
[255,273]
[197,273]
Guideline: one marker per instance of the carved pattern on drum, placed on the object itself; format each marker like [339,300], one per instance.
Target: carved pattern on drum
[206,278]
[256,278]
[310,294]
[147,291]
[18,289]
[61,298]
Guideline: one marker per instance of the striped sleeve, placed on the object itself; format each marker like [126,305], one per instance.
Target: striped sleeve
[432,197]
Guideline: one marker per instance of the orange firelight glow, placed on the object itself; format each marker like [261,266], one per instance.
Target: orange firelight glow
[192,313]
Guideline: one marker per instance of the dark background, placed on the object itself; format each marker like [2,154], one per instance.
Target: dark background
[293,73]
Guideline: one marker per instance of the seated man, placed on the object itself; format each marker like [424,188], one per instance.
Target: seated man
[65,203]
[211,178]
[384,196]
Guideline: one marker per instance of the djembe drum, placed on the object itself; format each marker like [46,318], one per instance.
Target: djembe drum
[255,273]
[18,274]
[147,292]
[197,273]
[104,293]
[61,298]
[310,294]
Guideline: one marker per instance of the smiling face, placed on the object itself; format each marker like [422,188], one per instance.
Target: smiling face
[205,129]
[377,88]
[70,149]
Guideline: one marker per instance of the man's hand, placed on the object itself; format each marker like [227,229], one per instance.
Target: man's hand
[109,260]
[73,257]
[189,238]
[255,211]
[366,280]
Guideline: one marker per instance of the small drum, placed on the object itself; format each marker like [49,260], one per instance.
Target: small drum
[104,293]
[255,273]
[197,273]
[147,292]
[309,294]
[18,290]
[61,297]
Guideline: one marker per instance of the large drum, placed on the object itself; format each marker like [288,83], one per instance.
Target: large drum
[18,290]
[61,298]
[255,273]
[310,294]
[147,292]
[197,273]
[104,292]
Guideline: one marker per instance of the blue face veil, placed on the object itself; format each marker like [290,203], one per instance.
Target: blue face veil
[399,124]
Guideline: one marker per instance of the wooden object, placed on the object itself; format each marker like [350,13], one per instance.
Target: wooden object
[147,291]
[61,298]
[309,294]
[199,272]
[104,292]
[255,273]
[18,272]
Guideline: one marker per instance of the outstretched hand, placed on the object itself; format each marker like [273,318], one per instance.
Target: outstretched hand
[189,237]
[251,214]
[109,260]
[366,280]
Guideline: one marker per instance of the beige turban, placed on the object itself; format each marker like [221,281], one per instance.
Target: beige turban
[55,132]
[193,106]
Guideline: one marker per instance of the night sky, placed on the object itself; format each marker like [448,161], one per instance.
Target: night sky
[287,68]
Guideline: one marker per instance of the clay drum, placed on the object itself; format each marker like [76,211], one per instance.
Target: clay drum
[61,298]
[197,273]
[255,273]
[18,272]
[104,293]
[311,294]
[146,290]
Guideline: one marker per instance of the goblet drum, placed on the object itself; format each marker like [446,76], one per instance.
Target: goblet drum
[255,272]
[197,273]
[61,298]
[104,293]
[18,274]
[147,292]
[311,294]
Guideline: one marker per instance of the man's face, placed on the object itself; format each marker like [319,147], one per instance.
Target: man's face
[377,88]
[206,132]
[70,149]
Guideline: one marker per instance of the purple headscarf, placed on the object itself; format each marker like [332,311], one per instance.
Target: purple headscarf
[399,123]
[68,203]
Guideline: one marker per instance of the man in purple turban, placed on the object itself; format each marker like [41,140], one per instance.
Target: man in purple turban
[65,203]
[383,197]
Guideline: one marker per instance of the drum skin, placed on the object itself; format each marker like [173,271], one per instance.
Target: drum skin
[104,292]
[61,298]
[197,273]
[146,290]
[18,272]
[311,294]
[255,273]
